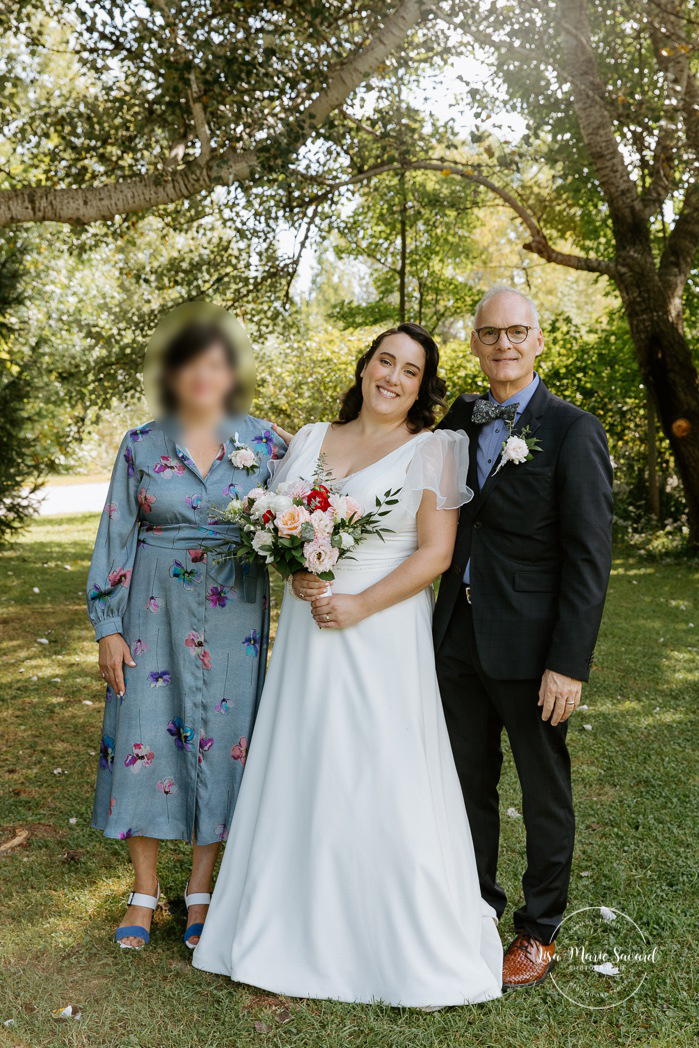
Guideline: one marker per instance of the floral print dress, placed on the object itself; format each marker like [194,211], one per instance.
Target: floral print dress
[174,746]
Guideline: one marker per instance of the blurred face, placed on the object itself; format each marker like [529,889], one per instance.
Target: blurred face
[391,378]
[506,362]
[204,384]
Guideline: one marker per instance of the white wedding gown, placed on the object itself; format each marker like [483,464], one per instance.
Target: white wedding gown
[349,872]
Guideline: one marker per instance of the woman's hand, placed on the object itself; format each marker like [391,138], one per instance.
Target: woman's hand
[307,586]
[113,653]
[338,611]
[286,437]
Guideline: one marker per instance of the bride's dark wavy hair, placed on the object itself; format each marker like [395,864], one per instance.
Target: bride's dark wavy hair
[430,399]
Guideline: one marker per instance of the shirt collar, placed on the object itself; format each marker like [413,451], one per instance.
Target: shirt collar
[522,398]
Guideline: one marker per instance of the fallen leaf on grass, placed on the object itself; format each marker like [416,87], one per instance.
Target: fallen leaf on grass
[262,1027]
[283,1015]
[20,837]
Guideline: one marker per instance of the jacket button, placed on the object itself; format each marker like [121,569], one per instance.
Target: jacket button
[477,524]
[458,569]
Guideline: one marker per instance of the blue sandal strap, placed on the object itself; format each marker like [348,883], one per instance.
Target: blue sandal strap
[135,931]
[194,929]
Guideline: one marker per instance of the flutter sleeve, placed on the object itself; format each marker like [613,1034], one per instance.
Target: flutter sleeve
[440,464]
[281,469]
[115,548]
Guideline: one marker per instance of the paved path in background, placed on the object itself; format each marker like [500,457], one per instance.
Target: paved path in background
[64,499]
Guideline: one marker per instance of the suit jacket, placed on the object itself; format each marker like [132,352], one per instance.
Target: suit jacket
[539,539]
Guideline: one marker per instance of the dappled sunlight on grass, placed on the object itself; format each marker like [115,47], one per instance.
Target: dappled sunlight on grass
[65,888]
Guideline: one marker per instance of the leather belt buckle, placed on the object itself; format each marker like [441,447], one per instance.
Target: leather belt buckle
[467,591]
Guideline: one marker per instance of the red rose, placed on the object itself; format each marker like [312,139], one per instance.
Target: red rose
[319,498]
[267,517]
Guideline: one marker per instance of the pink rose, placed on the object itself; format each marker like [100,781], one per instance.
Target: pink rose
[320,556]
[290,520]
[296,489]
[243,458]
[353,508]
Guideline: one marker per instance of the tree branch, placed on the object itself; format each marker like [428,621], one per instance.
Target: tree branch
[141,192]
[538,244]
[593,116]
[677,259]
[672,55]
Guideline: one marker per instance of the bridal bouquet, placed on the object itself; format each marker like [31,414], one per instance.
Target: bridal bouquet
[302,525]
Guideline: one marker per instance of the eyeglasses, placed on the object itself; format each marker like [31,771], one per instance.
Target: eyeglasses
[516,333]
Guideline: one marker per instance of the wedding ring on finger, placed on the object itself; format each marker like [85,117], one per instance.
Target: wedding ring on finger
[570,702]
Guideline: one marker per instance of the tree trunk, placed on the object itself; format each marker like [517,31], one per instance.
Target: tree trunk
[402,270]
[665,359]
[652,459]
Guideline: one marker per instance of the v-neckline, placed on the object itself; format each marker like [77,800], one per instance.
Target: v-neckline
[382,458]
[189,461]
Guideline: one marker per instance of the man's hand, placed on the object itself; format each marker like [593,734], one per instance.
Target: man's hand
[113,653]
[559,695]
[286,437]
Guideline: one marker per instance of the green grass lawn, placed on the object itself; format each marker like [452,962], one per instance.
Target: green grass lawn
[63,890]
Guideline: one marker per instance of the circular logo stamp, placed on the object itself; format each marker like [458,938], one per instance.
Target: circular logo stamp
[603,957]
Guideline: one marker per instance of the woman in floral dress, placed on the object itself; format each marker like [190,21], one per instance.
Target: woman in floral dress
[182,636]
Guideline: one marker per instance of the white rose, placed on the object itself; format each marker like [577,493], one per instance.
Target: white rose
[339,505]
[346,540]
[322,521]
[262,505]
[280,503]
[516,450]
[262,542]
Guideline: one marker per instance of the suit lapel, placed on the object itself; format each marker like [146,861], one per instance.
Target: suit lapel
[530,417]
[473,431]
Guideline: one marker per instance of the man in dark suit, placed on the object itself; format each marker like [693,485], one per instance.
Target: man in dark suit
[519,610]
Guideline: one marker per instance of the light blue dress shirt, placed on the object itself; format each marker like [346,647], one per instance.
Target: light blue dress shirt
[491,437]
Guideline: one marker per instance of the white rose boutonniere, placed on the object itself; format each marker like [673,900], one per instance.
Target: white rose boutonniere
[518,448]
[243,457]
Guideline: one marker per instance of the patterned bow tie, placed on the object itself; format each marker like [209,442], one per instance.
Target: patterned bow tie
[486,411]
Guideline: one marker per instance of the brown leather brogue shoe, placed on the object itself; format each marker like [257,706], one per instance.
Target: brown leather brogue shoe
[527,962]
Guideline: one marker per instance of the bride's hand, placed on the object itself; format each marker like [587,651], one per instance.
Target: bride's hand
[338,611]
[307,586]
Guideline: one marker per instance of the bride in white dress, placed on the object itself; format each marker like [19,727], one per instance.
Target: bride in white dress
[349,872]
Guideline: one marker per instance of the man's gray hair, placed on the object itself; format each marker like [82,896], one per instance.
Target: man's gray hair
[500,289]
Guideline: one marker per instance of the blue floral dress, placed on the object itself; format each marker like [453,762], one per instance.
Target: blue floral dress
[173,748]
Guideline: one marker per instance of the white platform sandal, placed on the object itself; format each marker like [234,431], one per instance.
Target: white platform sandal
[137,931]
[195,899]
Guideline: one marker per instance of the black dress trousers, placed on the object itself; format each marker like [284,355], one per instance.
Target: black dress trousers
[477,707]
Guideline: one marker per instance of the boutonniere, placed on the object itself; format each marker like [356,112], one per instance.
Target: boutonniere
[518,448]
[243,457]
